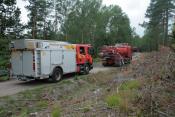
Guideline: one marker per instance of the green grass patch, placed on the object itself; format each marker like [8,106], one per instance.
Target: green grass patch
[56,112]
[113,101]
[121,100]
[127,94]
[2,111]
[23,113]
[42,104]
[130,85]
[86,109]
[4,78]
[66,82]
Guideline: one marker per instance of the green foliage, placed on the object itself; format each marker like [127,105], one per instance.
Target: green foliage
[39,18]
[10,22]
[159,13]
[91,22]
[4,52]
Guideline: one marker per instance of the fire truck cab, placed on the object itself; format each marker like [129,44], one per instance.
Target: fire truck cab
[84,58]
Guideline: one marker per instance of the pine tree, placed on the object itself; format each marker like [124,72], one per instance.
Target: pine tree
[39,17]
[62,10]
[9,17]
[173,33]
[159,13]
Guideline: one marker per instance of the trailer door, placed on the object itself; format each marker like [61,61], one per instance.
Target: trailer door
[16,62]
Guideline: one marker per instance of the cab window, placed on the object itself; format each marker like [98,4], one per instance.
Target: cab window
[82,50]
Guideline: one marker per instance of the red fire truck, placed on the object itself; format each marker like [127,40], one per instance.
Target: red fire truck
[116,55]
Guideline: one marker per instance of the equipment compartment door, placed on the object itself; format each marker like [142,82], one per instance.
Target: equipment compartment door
[27,64]
[45,63]
[56,58]
[16,62]
[69,61]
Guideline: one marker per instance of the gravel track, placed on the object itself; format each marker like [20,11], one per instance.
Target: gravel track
[14,86]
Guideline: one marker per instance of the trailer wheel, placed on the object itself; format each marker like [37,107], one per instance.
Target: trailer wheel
[86,69]
[57,75]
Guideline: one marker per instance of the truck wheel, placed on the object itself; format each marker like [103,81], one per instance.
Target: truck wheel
[121,63]
[57,75]
[104,64]
[86,69]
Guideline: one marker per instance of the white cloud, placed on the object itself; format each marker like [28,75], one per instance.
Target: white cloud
[135,9]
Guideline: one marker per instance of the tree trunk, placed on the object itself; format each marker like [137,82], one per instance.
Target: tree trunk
[163,26]
[166,26]
[34,28]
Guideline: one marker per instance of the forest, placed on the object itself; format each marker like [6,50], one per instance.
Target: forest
[85,21]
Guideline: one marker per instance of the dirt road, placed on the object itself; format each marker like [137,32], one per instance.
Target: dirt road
[14,86]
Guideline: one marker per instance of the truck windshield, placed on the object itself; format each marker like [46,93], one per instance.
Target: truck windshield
[90,51]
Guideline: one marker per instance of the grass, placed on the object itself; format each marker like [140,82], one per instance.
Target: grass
[121,100]
[42,104]
[56,112]
[127,94]
[113,101]
[4,78]
[86,109]
[130,85]
[23,113]
[66,82]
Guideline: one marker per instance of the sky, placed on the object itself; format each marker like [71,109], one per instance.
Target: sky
[135,9]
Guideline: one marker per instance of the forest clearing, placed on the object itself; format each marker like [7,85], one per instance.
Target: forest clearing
[105,58]
[133,90]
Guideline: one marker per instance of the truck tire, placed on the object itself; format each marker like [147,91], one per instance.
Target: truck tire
[57,75]
[104,64]
[120,63]
[86,69]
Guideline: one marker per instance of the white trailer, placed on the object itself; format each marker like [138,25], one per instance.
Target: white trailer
[42,59]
